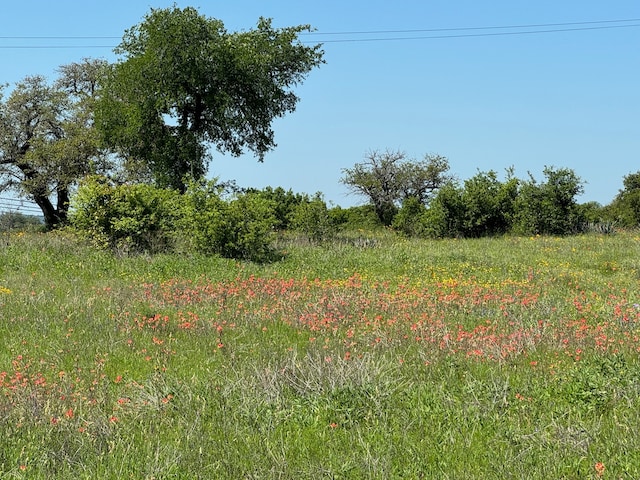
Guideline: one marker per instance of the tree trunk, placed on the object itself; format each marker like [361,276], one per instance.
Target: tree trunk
[51,216]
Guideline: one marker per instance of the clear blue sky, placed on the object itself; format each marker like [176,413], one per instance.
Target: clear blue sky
[564,99]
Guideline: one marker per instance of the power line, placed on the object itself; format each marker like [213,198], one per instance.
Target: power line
[540,29]
[468,35]
[495,27]
[365,32]
[9,203]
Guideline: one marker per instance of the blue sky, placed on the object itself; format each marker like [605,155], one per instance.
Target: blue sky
[564,99]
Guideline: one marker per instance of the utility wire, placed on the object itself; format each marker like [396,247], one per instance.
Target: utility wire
[495,27]
[468,35]
[540,29]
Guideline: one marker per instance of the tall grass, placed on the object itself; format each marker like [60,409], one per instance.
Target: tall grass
[372,357]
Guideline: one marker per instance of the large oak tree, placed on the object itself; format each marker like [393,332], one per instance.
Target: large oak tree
[184,83]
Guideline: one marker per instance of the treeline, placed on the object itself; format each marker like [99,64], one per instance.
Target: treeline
[484,205]
[224,219]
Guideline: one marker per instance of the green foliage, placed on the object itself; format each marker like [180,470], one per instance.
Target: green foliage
[284,202]
[242,227]
[184,82]
[593,212]
[625,208]
[444,217]
[127,218]
[388,178]
[312,219]
[488,204]
[410,218]
[18,221]
[361,217]
[549,208]
[47,138]
[143,218]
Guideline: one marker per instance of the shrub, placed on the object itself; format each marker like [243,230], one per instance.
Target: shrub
[242,227]
[410,218]
[126,218]
[312,219]
[445,214]
[362,217]
[488,204]
[549,208]
[284,203]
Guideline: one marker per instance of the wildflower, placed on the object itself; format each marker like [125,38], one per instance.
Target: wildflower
[23,468]
[69,413]
[599,466]
[113,419]
[333,425]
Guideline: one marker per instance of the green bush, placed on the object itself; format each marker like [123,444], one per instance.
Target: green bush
[549,208]
[410,218]
[625,208]
[312,219]
[242,227]
[488,204]
[362,217]
[127,218]
[143,218]
[284,203]
[444,217]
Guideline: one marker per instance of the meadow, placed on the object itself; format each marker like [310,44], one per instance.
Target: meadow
[370,357]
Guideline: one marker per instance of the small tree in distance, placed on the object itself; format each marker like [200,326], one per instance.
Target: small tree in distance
[388,178]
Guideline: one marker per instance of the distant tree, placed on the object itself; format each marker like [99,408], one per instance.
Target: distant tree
[550,207]
[445,215]
[312,219]
[284,203]
[593,212]
[17,220]
[625,208]
[410,218]
[184,83]
[389,178]
[488,204]
[47,139]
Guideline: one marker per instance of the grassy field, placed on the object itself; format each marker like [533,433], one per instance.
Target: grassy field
[373,357]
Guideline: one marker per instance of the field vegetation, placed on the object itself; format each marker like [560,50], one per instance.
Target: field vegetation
[367,356]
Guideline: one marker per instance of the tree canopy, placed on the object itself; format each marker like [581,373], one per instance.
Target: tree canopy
[388,178]
[47,139]
[625,208]
[184,83]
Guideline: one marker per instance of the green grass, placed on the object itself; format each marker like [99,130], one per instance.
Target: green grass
[372,357]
